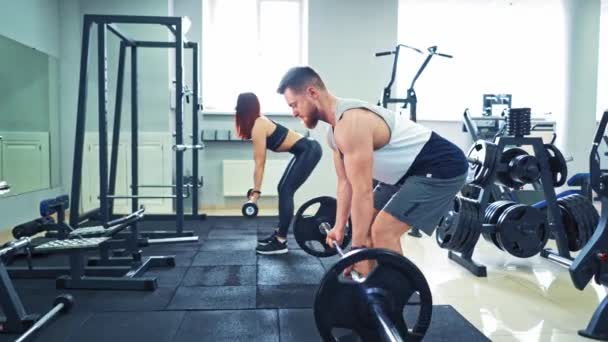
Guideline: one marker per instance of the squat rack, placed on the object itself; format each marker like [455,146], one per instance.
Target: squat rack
[107,184]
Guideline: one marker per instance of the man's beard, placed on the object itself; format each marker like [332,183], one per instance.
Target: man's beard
[311,120]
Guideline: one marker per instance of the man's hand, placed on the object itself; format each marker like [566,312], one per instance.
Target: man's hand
[336,234]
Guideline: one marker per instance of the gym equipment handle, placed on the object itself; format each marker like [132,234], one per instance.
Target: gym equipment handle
[560,260]
[384,53]
[15,245]
[181,148]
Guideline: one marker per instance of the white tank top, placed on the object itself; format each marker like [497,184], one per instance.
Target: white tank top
[393,160]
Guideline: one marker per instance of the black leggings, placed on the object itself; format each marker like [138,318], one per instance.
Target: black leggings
[306,154]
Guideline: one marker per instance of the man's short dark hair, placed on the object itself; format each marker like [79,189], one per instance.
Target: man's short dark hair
[298,78]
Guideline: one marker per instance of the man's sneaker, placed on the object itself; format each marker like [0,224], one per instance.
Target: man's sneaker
[273,247]
[267,240]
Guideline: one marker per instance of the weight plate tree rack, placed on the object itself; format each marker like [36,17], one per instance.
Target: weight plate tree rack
[464,257]
[107,183]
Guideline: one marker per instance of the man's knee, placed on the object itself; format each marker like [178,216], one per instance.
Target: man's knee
[386,226]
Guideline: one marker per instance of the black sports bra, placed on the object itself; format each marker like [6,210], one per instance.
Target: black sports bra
[274,140]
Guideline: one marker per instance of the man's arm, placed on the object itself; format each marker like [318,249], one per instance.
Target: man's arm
[258,137]
[344,192]
[354,137]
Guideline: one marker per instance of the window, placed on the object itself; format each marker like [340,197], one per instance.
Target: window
[499,47]
[247,46]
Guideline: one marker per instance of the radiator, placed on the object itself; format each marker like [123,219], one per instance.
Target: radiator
[238,176]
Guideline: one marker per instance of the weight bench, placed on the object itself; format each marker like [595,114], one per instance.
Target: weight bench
[77,276]
[124,246]
[105,273]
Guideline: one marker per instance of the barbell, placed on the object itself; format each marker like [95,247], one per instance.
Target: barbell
[372,306]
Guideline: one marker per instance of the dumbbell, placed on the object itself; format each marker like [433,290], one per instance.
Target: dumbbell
[250,208]
[62,304]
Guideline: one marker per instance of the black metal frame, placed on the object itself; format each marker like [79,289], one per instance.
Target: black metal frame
[591,260]
[411,98]
[16,319]
[553,212]
[108,184]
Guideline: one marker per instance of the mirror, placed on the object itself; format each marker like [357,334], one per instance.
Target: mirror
[29,123]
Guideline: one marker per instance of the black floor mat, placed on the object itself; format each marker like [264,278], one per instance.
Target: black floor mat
[219,290]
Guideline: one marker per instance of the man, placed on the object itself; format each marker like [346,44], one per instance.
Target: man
[419,172]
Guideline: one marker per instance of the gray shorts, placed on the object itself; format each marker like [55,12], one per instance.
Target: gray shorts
[419,201]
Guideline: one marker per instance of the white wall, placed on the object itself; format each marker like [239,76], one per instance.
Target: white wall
[342,38]
[32,22]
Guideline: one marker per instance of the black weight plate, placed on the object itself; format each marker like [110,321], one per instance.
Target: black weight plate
[589,217]
[591,214]
[470,213]
[569,224]
[249,210]
[306,227]
[557,164]
[486,153]
[524,169]
[522,231]
[505,158]
[466,221]
[493,213]
[487,218]
[448,229]
[459,226]
[585,222]
[576,231]
[474,230]
[341,302]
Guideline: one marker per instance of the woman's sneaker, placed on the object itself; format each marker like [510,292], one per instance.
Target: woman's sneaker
[267,240]
[273,247]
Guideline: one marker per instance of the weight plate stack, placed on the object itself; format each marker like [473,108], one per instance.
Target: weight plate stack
[579,218]
[519,122]
[491,216]
[486,155]
[522,230]
[461,227]
[506,157]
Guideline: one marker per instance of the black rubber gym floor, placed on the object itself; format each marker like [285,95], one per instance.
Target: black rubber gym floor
[220,290]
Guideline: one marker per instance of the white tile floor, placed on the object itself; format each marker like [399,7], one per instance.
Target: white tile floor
[520,300]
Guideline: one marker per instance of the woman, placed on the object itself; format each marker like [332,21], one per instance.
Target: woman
[267,134]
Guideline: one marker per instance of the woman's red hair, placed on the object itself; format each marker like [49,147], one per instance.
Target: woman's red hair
[247,111]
